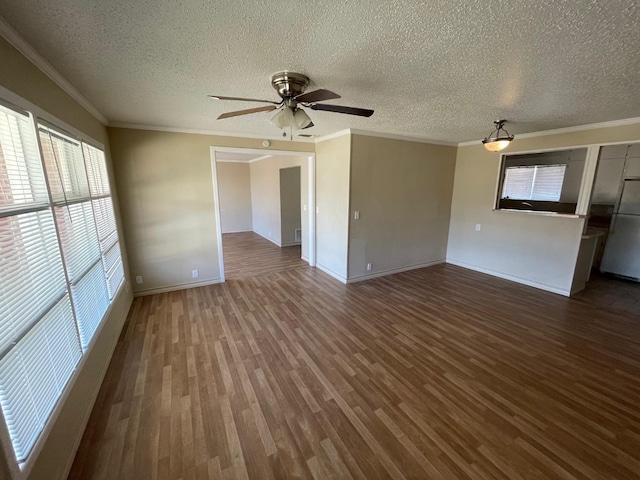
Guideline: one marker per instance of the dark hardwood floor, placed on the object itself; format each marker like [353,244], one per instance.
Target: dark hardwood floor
[437,373]
[247,254]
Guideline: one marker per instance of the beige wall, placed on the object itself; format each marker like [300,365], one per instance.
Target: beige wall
[58,450]
[533,249]
[265,197]
[333,159]
[290,205]
[402,191]
[234,185]
[166,188]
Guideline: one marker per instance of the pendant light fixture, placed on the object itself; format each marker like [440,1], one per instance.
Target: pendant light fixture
[498,139]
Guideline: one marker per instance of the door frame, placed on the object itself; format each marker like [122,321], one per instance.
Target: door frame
[311,201]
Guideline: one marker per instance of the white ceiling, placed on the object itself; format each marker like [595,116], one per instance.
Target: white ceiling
[436,69]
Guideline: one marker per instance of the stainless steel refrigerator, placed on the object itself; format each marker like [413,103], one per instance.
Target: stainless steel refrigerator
[622,250]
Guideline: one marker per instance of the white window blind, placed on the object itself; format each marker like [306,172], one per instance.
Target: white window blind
[60,266]
[69,183]
[105,218]
[534,182]
[39,346]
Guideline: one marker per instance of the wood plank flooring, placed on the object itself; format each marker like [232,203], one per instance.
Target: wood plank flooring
[247,254]
[437,373]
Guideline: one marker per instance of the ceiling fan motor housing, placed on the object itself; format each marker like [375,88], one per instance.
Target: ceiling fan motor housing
[290,84]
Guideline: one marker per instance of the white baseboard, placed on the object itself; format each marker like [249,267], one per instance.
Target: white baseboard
[306,259]
[237,231]
[267,238]
[328,271]
[512,278]
[391,271]
[293,244]
[179,286]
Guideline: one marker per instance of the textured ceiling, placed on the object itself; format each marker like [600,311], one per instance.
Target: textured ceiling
[436,69]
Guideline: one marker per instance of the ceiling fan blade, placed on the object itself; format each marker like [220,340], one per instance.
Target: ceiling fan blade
[361,112]
[305,135]
[317,96]
[241,99]
[237,113]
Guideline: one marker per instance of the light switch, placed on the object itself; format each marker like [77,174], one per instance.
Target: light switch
[356,215]
[478,226]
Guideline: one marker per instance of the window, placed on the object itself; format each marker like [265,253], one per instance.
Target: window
[536,182]
[546,182]
[60,267]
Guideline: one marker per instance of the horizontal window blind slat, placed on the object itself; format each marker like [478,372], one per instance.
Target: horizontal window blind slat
[34,373]
[31,273]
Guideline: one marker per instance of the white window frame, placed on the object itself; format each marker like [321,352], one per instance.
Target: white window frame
[17,471]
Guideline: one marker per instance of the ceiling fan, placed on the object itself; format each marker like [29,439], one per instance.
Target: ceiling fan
[291,87]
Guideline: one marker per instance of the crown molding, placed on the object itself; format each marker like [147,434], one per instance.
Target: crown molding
[406,138]
[392,136]
[333,135]
[20,44]
[216,133]
[558,131]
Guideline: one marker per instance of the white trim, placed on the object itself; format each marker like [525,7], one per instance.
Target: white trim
[331,273]
[266,151]
[253,160]
[292,244]
[238,231]
[331,136]
[392,136]
[216,133]
[269,239]
[176,287]
[406,138]
[216,212]
[558,131]
[15,99]
[588,180]
[20,44]
[505,276]
[311,163]
[306,259]
[391,271]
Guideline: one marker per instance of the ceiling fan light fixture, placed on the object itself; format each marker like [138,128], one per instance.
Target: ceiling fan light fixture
[288,118]
[301,119]
[499,138]
[283,119]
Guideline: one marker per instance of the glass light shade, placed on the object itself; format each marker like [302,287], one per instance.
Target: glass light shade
[283,119]
[497,144]
[287,118]
[301,119]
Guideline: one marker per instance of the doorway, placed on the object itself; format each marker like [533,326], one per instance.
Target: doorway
[614,216]
[261,228]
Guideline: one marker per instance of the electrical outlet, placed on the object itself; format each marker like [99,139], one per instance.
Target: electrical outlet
[478,227]
[356,215]
[304,208]
[139,279]
[194,273]
[368,267]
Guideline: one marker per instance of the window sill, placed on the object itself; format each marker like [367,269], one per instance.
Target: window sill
[544,214]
